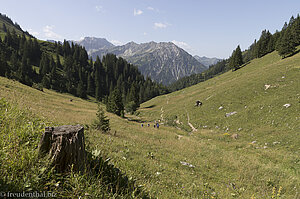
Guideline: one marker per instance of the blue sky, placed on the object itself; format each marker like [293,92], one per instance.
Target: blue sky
[205,28]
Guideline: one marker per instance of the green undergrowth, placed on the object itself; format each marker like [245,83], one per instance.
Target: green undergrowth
[22,170]
[174,162]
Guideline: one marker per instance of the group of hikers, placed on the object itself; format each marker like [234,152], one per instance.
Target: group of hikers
[156,125]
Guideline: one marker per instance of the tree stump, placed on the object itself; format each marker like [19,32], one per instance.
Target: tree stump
[64,146]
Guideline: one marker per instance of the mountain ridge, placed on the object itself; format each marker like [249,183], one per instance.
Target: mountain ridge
[164,62]
[207,61]
[92,44]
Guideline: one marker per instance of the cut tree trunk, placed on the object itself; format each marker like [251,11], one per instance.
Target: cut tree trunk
[64,146]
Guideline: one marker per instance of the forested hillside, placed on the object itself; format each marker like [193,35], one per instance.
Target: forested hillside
[66,68]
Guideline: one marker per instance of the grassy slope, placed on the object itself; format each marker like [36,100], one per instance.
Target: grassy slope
[260,117]
[234,91]
[223,167]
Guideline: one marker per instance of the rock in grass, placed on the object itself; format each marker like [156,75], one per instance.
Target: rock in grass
[230,114]
[187,164]
[267,86]
[235,136]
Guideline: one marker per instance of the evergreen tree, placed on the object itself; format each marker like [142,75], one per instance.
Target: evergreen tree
[98,79]
[58,64]
[53,75]
[80,90]
[4,27]
[286,45]
[115,104]
[44,65]
[14,61]
[102,122]
[46,82]
[91,85]
[236,59]
[132,99]
[3,64]
[239,56]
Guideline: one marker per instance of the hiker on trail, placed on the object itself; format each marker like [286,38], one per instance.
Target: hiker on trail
[157,125]
[148,125]
[142,125]
[154,125]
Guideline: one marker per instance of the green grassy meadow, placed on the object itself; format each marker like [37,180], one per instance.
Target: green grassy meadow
[176,162]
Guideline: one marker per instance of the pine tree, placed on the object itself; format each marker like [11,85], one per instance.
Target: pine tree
[132,99]
[286,45]
[98,79]
[4,28]
[3,64]
[80,90]
[44,64]
[115,104]
[58,64]
[102,122]
[239,56]
[236,59]
[91,85]
[46,82]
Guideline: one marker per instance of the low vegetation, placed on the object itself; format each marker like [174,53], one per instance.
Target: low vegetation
[23,170]
[172,162]
[260,104]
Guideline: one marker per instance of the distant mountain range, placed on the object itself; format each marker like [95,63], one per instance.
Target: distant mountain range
[163,62]
[207,61]
[93,44]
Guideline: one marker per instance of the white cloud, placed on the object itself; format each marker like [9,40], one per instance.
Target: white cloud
[34,33]
[137,12]
[184,46]
[152,9]
[161,25]
[116,42]
[50,34]
[99,8]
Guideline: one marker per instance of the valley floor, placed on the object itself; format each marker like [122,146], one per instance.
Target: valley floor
[172,163]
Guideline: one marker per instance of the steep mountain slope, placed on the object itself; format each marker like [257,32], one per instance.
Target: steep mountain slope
[206,61]
[93,44]
[163,62]
[257,92]
[255,108]
[7,24]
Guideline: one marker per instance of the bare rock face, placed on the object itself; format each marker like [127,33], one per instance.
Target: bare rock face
[65,147]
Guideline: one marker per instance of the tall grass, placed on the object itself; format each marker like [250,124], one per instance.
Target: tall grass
[22,170]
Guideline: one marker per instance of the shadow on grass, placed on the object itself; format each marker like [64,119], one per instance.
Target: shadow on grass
[151,106]
[135,120]
[116,181]
[5,186]
[292,54]
[242,66]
